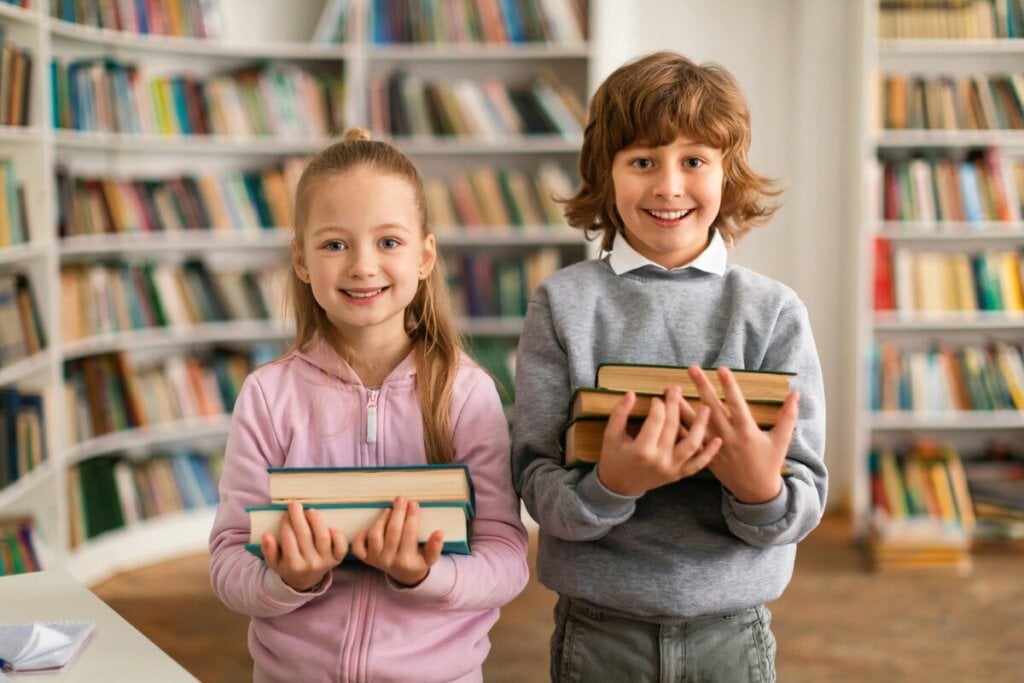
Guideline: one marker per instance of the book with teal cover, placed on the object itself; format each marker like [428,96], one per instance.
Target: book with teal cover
[349,518]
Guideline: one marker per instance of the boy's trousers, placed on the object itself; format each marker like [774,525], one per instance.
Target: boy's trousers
[592,645]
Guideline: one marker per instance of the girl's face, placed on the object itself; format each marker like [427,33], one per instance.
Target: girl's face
[668,197]
[365,252]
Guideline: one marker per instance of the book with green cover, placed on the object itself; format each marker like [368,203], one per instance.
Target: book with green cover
[757,385]
[449,482]
[451,518]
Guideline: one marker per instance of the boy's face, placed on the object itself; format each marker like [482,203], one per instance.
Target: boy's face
[668,197]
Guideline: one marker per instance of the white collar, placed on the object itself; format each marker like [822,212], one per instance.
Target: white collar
[625,258]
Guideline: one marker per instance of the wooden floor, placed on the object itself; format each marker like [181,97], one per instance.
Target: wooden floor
[837,622]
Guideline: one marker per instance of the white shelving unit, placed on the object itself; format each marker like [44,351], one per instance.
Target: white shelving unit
[38,149]
[968,431]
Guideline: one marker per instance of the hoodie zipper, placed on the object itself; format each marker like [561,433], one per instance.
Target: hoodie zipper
[371,415]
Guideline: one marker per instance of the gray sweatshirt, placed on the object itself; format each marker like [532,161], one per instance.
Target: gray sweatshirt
[688,548]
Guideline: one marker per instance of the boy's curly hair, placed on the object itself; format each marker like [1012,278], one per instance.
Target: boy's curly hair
[651,101]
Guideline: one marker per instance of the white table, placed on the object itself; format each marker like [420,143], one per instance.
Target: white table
[115,651]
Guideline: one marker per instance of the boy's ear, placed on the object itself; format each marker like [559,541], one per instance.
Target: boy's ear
[429,256]
[299,263]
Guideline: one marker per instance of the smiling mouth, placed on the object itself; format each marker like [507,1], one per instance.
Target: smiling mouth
[669,215]
[363,293]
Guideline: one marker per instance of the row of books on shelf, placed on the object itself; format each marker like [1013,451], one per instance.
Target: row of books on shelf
[351,498]
[951,19]
[111,492]
[241,201]
[105,298]
[180,18]
[962,102]
[996,481]
[18,546]
[478,21]
[407,104]
[22,433]
[21,326]
[977,189]
[498,197]
[486,285]
[15,82]
[928,281]
[583,432]
[13,208]
[279,99]
[109,392]
[946,378]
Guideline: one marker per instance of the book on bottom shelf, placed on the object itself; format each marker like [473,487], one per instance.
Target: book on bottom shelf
[452,519]
[17,546]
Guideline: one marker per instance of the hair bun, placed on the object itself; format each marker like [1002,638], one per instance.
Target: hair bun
[357,134]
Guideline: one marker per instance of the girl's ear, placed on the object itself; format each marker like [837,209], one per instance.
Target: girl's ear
[429,257]
[299,263]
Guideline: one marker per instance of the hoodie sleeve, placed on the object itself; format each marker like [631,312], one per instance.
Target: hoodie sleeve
[496,571]
[242,581]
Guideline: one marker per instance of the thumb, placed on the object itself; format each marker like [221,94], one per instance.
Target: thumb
[339,545]
[782,432]
[270,549]
[432,548]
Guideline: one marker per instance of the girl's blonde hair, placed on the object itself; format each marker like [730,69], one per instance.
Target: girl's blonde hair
[651,101]
[428,319]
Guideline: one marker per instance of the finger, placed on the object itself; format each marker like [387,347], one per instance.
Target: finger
[396,525]
[619,416]
[433,547]
[271,552]
[688,410]
[339,545]
[289,545]
[375,534]
[709,397]
[411,530]
[782,432]
[296,518]
[650,430]
[358,546]
[319,533]
[734,398]
[670,428]
[702,458]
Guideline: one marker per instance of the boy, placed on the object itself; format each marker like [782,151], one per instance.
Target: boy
[663,575]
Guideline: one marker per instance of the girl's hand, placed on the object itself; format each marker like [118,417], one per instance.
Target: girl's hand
[391,544]
[751,459]
[308,549]
[661,453]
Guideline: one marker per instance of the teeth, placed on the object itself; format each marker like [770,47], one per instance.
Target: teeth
[668,215]
[364,295]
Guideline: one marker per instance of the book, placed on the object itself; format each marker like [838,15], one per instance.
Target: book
[757,385]
[451,518]
[450,483]
[592,401]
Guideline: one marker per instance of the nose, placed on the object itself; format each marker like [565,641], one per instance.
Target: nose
[669,182]
[363,263]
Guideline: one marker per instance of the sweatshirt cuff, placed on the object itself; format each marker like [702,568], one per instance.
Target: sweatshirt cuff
[438,584]
[283,594]
[602,501]
[759,514]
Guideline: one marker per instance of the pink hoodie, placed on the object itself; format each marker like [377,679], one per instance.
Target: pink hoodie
[310,409]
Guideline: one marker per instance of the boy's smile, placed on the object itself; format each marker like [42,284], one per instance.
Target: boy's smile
[668,197]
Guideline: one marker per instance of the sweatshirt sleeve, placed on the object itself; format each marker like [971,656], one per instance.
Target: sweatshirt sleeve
[242,581]
[570,504]
[798,508]
[496,571]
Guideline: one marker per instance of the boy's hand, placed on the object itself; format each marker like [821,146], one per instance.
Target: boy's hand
[308,549]
[751,459]
[661,453]
[391,544]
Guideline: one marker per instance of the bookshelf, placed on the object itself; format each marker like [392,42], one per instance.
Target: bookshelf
[941,325]
[110,187]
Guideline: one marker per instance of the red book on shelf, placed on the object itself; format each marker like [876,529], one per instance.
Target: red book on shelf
[883,300]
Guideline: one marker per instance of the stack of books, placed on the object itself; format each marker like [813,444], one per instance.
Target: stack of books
[350,498]
[583,433]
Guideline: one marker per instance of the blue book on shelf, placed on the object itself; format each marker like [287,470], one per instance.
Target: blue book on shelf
[452,519]
[970,192]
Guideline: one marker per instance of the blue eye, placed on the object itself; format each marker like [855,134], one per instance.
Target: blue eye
[642,163]
[334,245]
[390,243]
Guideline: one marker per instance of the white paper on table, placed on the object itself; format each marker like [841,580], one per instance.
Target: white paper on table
[42,645]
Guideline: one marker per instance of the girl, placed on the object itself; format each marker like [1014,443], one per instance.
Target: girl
[376,377]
